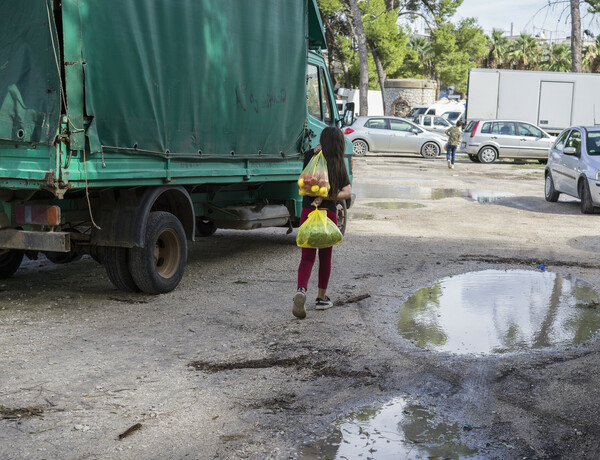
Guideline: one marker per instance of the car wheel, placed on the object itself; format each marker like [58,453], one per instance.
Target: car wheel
[474,158]
[360,147]
[487,155]
[587,206]
[430,150]
[549,190]
[204,227]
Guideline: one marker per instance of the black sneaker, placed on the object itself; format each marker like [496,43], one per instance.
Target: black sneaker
[299,300]
[323,304]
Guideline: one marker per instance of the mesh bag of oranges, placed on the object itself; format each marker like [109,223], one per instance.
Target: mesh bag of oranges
[313,180]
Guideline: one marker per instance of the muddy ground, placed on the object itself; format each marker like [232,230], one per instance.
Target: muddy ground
[220,368]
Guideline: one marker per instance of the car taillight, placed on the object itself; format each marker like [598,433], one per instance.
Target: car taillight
[474,129]
[348,131]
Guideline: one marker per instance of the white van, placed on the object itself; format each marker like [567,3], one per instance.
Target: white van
[436,109]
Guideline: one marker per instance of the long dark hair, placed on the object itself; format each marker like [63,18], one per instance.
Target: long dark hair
[333,145]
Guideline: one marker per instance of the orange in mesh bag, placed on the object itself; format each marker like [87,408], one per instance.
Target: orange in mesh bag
[314,180]
[318,231]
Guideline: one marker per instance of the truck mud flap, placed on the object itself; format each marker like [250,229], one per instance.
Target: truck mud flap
[35,241]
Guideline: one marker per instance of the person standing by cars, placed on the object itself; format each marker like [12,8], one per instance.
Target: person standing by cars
[332,143]
[454,134]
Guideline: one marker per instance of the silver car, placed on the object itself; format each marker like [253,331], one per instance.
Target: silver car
[393,135]
[574,167]
[487,140]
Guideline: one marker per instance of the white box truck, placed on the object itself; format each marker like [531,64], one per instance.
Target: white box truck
[552,100]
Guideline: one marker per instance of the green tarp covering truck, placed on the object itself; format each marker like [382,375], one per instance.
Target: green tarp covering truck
[127,128]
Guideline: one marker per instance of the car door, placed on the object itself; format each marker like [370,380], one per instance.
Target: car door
[440,125]
[533,142]
[505,135]
[403,138]
[379,134]
[555,161]
[568,168]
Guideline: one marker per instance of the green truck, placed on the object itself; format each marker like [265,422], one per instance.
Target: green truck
[127,129]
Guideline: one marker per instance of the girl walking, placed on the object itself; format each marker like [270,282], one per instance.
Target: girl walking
[332,143]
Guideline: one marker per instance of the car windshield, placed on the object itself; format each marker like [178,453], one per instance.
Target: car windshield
[593,142]
[451,115]
[417,111]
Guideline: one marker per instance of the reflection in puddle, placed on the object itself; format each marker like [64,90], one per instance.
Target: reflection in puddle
[395,205]
[496,311]
[398,430]
[363,190]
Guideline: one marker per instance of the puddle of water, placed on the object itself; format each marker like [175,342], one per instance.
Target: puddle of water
[397,430]
[360,216]
[395,205]
[497,311]
[363,190]
[402,179]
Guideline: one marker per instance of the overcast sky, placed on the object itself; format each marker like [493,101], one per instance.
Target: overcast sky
[528,16]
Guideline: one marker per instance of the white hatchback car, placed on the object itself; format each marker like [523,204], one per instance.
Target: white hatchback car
[574,167]
[487,140]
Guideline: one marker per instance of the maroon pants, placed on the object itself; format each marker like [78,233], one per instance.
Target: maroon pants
[309,256]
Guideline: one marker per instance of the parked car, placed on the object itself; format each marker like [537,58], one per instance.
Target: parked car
[574,167]
[431,123]
[392,134]
[487,140]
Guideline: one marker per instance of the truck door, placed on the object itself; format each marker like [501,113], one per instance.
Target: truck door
[556,104]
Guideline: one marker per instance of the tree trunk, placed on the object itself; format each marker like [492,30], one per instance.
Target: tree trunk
[363,86]
[346,70]
[330,37]
[575,37]
[380,73]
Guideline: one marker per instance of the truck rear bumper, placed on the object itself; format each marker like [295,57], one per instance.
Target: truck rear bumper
[35,241]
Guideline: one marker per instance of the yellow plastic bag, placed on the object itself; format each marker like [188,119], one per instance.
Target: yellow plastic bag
[318,231]
[314,180]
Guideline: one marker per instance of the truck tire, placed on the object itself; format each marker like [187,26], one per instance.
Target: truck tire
[158,266]
[116,263]
[342,215]
[10,261]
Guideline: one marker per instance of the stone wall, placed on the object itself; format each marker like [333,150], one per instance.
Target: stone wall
[402,95]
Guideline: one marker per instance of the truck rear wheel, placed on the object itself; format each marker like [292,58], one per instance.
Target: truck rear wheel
[342,215]
[158,266]
[116,263]
[10,261]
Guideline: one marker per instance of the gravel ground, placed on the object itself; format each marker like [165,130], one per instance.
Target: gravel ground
[220,368]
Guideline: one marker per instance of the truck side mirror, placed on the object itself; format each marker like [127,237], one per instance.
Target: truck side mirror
[348,114]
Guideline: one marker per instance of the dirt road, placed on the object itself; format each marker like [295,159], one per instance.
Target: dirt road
[220,368]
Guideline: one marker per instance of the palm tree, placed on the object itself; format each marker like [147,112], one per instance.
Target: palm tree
[591,56]
[422,46]
[559,58]
[498,45]
[525,52]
